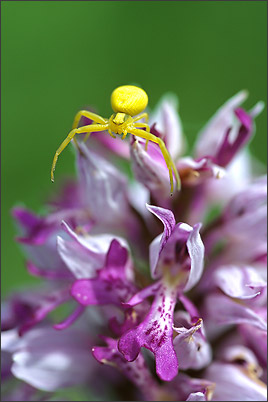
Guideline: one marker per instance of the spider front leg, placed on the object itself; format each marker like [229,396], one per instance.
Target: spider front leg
[111,134]
[92,116]
[124,135]
[86,129]
[169,162]
[146,126]
[142,116]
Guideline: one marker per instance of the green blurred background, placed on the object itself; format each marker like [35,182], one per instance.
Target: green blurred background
[60,56]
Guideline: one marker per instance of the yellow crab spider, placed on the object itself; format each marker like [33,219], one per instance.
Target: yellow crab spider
[127,102]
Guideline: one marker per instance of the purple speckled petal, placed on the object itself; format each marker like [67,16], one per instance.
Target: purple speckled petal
[136,371]
[191,347]
[155,333]
[223,310]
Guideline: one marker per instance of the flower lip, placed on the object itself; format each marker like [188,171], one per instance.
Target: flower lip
[156,334]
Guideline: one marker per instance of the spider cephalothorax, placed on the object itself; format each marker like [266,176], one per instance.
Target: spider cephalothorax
[127,102]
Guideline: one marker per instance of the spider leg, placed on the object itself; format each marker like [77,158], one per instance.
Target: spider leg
[111,134]
[124,135]
[147,129]
[145,125]
[85,129]
[165,153]
[92,116]
[141,116]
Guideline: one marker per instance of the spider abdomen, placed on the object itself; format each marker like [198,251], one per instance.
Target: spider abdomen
[129,99]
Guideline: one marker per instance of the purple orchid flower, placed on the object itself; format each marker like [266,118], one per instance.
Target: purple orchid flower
[176,258]
[104,275]
[156,298]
